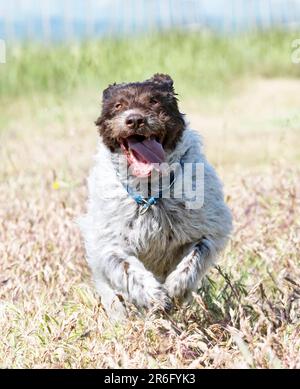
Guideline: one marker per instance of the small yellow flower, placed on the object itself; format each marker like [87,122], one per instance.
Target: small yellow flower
[55,185]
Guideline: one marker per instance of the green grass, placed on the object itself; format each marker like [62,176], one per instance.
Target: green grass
[201,63]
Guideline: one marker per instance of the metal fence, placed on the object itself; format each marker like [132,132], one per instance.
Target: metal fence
[52,20]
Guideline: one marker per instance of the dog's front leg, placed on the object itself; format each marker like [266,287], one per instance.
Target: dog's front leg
[127,275]
[190,270]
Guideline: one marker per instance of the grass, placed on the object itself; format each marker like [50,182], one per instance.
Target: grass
[200,63]
[247,312]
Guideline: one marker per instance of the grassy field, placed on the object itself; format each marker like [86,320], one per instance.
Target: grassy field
[199,63]
[242,94]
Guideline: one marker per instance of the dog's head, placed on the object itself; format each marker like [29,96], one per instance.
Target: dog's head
[141,119]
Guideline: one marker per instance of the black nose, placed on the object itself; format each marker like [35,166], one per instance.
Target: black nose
[135,120]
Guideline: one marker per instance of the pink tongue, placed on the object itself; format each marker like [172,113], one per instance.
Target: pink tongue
[149,149]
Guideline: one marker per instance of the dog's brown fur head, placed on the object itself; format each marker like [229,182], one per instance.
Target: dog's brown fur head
[145,109]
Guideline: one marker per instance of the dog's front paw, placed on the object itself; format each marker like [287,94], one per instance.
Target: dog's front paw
[151,294]
[174,285]
[179,284]
[161,299]
[185,278]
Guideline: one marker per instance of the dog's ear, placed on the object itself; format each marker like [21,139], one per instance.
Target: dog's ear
[163,79]
[108,91]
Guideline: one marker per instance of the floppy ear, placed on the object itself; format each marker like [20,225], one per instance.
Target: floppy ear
[108,91]
[163,79]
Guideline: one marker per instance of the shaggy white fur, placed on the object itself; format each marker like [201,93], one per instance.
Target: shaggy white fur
[149,259]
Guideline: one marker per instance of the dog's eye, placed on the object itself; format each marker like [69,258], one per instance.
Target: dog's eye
[118,106]
[154,101]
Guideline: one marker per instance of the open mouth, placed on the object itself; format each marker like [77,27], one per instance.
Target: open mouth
[143,154]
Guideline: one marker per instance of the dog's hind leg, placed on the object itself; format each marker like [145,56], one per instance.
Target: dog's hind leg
[191,269]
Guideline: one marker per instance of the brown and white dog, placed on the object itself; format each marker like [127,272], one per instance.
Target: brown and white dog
[147,248]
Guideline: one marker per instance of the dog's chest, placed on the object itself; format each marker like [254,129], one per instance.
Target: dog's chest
[161,236]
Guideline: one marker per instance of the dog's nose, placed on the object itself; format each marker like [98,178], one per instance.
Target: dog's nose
[135,121]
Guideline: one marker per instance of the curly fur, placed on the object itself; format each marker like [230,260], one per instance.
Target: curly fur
[151,258]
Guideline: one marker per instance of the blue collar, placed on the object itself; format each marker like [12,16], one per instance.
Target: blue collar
[147,202]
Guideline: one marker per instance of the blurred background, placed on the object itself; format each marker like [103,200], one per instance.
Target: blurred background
[53,20]
[223,55]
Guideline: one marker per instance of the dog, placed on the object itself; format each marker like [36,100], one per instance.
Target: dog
[149,250]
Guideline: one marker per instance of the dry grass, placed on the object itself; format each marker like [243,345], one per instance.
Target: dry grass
[248,312]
